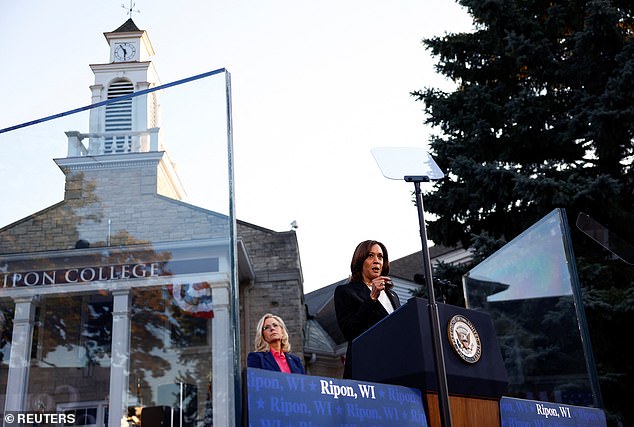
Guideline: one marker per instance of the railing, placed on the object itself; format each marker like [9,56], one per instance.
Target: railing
[112,142]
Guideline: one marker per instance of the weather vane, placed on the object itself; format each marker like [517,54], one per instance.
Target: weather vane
[131,8]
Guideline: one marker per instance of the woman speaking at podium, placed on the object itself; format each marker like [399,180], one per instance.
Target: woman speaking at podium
[367,297]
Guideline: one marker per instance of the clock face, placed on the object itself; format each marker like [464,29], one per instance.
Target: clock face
[124,52]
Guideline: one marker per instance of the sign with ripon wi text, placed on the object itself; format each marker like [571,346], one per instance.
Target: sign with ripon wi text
[276,399]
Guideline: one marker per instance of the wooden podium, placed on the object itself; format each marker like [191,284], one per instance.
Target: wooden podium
[403,344]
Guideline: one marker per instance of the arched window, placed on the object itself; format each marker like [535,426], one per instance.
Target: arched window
[119,118]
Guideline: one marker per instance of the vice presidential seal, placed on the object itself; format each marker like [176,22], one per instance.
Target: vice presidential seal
[464,339]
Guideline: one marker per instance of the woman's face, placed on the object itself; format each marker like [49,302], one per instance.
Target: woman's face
[373,264]
[272,330]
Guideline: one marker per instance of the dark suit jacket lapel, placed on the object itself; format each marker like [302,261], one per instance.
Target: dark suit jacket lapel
[271,360]
[291,363]
[361,290]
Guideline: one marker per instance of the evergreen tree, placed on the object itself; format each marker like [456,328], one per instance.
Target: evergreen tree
[542,117]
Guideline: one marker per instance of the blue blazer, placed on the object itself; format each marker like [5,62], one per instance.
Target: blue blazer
[265,360]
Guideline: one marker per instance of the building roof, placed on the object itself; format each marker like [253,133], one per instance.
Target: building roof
[318,340]
[412,264]
[321,308]
[127,27]
[321,297]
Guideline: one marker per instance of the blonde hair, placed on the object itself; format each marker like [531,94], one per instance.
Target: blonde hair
[260,342]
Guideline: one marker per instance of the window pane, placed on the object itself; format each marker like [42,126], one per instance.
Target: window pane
[532,294]
[119,273]
[170,363]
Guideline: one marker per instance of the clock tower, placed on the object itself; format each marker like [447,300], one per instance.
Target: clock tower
[128,43]
[124,132]
[129,70]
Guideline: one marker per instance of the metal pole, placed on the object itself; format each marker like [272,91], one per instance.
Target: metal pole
[235,286]
[439,360]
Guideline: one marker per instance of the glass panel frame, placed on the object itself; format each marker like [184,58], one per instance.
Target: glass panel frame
[195,261]
[531,290]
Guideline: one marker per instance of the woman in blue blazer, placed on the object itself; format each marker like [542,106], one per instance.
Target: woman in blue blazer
[272,347]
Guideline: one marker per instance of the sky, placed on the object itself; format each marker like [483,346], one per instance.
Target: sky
[315,86]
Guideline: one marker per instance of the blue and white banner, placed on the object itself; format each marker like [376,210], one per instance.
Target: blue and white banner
[276,399]
[520,412]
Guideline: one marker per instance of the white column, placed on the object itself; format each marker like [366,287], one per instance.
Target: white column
[75,146]
[154,139]
[95,144]
[18,380]
[140,109]
[222,354]
[120,359]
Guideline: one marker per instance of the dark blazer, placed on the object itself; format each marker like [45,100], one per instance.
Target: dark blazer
[265,360]
[356,313]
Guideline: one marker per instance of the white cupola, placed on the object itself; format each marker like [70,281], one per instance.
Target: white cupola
[124,131]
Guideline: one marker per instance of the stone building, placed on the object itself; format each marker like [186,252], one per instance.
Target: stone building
[122,302]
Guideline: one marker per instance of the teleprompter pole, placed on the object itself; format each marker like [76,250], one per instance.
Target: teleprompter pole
[439,359]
